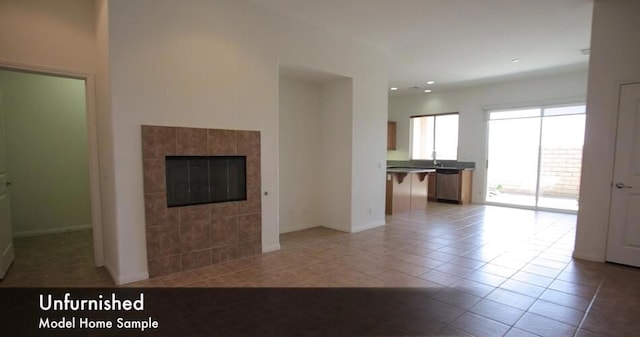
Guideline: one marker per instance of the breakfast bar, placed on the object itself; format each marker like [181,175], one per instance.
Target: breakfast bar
[407,189]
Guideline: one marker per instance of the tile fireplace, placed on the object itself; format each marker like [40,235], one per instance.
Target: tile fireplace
[187,237]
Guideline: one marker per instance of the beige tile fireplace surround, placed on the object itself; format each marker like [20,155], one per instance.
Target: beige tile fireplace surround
[182,238]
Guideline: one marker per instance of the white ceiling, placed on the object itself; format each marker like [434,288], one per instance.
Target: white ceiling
[456,42]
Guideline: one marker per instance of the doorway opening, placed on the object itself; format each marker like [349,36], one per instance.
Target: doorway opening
[51,160]
[535,157]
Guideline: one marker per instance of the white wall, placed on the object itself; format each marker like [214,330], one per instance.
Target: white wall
[52,34]
[336,111]
[472,104]
[47,152]
[299,154]
[315,134]
[368,159]
[105,144]
[215,64]
[615,50]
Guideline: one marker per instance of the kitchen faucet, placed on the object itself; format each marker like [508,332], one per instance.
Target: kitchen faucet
[435,161]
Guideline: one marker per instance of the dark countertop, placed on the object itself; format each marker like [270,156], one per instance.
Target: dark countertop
[409,170]
[428,165]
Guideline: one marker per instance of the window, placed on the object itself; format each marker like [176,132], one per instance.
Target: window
[434,137]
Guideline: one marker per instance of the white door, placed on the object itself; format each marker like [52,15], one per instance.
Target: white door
[6,237]
[623,245]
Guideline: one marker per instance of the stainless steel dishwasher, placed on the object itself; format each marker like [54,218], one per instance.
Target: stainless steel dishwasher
[448,185]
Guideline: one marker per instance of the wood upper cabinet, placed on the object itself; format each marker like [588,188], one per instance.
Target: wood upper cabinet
[391,135]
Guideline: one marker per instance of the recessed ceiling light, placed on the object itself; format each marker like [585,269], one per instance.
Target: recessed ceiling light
[431,82]
[394,88]
[428,90]
[515,60]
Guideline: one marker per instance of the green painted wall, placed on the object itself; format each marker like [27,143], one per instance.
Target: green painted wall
[46,137]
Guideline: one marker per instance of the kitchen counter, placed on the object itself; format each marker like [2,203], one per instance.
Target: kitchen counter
[410,170]
[456,168]
[420,169]
[428,164]
[407,189]
[448,183]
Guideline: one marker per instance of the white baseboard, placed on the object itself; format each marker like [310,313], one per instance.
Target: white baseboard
[334,228]
[109,268]
[299,228]
[120,280]
[51,231]
[588,257]
[270,248]
[124,279]
[364,227]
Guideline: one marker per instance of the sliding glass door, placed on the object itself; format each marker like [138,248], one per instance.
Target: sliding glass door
[513,157]
[561,142]
[535,157]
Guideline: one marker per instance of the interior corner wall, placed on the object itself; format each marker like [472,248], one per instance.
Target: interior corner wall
[336,110]
[105,145]
[615,50]
[472,104]
[368,164]
[305,46]
[299,137]
[47,152]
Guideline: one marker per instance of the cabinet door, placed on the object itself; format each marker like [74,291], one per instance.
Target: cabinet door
[391,135]
[432,186]
[419,188]
[466,181]
[398,198]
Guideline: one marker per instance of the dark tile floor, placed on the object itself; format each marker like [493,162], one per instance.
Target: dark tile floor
[55,260]
[492,271]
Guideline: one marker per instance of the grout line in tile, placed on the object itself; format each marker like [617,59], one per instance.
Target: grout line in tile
[586,312]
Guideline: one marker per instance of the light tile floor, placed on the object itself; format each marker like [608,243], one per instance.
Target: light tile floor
[506,272]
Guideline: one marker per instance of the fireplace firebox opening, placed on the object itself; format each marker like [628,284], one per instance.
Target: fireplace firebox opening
[196,180]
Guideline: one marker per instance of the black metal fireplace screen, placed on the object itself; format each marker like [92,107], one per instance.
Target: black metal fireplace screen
[195,180]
